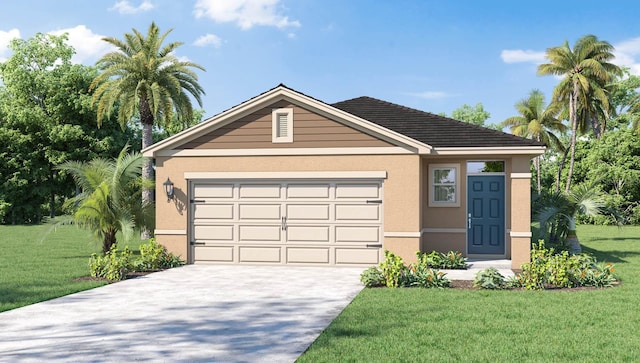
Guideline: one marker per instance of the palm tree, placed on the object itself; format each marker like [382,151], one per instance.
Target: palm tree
[110,201]
[144,78]
[537,122]
[586,70]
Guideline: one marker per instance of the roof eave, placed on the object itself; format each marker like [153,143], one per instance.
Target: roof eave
[497,150]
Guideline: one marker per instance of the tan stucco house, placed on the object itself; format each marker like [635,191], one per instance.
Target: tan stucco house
[284,178]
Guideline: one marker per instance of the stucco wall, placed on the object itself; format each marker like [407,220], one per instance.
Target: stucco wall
[401,189]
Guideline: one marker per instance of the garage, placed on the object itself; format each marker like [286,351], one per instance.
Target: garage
[286,221]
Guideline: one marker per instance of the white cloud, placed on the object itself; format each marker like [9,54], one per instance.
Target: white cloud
[245,13]
[5,39]
[627,54]
[522,56]
[432,95]
[125,7]
[208,39]
[88,45]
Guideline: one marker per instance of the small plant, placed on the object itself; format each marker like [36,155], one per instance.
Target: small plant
[393,270]
[154,256]
[451,260]
[489,278]
[423,276]
[372,277]
[113,266]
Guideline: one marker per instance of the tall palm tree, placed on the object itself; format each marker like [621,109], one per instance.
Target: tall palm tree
[586,71]
[144,78]
[537,122]
[110,201]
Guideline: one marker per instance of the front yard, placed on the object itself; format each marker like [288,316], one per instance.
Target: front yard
[432,325]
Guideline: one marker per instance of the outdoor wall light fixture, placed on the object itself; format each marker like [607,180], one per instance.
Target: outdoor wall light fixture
[168,188]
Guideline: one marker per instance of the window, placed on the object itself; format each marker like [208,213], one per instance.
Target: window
[282,125]
[443,189]
[480,167]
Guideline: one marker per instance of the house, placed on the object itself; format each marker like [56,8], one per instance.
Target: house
[284,178]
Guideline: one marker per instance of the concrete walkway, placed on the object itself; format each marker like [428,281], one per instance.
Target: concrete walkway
[474,266]
[192,313]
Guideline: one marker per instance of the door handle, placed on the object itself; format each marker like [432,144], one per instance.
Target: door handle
[283,224]
[469,221]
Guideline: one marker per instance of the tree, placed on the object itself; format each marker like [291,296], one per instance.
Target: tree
[538,122]
[46,119]
[585,70]
[144,78]
[473,115]
[110,201]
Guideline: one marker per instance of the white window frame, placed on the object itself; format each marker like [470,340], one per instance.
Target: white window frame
[432,185]
[274,125]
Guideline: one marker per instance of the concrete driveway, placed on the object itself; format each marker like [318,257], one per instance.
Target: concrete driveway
[192,313]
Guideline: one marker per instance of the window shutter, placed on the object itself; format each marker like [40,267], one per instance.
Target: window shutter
[283,125]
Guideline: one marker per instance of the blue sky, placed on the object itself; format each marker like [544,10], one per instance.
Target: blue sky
[430,55]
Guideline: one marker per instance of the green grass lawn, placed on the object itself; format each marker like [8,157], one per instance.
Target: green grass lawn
[431,325]
[34,269]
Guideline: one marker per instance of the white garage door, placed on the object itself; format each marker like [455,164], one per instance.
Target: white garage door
[287,222]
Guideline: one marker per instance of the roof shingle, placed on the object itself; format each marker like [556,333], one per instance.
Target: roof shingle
[431,129]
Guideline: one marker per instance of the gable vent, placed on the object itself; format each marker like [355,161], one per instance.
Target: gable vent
[282,125]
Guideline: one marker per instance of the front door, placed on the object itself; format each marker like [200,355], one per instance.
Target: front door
[485,214]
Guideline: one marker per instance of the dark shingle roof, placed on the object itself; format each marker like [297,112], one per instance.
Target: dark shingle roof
[433,130]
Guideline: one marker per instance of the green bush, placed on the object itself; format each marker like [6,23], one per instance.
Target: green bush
[451,260]
[372,277]
[113,266]
[423,276]
[549,268]
[489,278]
[393,270]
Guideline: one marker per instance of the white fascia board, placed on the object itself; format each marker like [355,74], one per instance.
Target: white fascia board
[507,150]
[283,93]
[286,151]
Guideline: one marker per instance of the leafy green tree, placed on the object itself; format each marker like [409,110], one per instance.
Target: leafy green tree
[110,201]
[46,118]
[539,122]
[176,125]
[586,70]
[476,115]
[144,78]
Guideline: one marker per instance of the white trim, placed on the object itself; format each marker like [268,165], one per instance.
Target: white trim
[520,234]
[520,175]
[275,130]
[444,230]
[477,151]
[283,93]
[432,201]
[176,232]
[286,151]
[403,234]
[288,175]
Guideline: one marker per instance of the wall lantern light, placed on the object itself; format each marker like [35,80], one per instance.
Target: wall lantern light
[168,188]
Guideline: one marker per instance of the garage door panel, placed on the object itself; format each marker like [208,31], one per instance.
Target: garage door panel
[259,191]
[308,191]
[259,233]
[308,234]
[260,211]
[213,211]
[260,254]
[358,234]
[214,254]
[367,212]
[214,233]
[357,190]
[213,190]
[307,212]
[307,255]
[349,256]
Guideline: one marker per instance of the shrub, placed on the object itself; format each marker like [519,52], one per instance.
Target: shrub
[489,278]
[423,276]
[393,270]
[438,260]
[113,266]
[154,256]
[372,277]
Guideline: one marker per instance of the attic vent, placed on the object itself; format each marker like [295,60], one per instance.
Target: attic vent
[282,125]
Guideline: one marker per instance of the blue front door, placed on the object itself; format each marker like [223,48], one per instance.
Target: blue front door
[485,214]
